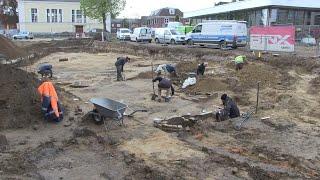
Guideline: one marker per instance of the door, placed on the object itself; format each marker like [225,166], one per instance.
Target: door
[196,34]
[167,36]
[79,29]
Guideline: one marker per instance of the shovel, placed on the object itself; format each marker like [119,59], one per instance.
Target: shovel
[154,96]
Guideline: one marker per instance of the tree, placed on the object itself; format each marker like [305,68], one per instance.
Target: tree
[177,18]
[8,11]
[99,9]
[125,23]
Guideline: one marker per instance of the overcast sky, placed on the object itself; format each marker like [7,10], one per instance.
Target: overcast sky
[137,8]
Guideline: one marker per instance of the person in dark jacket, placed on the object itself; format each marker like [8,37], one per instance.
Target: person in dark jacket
[45,70]
[201,68]
[230,109]
[121,61]
[171,70]
[164,84]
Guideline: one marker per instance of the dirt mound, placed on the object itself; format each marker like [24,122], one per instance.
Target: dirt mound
[314,86]
[19,102]
[9,49]
[146,75]
[187,67]
[252,73]
[288,62]
[208,85]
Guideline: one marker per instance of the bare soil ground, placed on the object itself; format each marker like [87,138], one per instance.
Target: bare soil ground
[284,146]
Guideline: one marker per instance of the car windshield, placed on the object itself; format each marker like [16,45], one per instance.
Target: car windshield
[125,31]
[174,32]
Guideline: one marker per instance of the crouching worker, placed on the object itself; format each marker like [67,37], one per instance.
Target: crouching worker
[164,84]
[239,62]
[121,61]
[166,68]
[45,70]
[50,106]
[230,109]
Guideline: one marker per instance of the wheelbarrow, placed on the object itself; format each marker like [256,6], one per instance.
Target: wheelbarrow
[105,108]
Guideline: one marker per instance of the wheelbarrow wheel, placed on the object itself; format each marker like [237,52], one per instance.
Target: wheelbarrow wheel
[97,118]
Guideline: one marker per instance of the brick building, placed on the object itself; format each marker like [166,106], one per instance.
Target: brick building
[124,23]
[159,18]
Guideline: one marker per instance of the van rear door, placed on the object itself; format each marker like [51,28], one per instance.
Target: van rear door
[241,32]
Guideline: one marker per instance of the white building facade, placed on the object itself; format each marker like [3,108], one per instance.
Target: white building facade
[56,16]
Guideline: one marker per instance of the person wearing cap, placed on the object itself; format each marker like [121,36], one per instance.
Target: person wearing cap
[164,84]
[121,61]
[230,109]
[202,68]
[50,104]
[239,61]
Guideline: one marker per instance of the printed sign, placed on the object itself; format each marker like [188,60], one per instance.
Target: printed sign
[272,38]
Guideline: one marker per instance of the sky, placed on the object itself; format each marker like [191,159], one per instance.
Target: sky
[138,8]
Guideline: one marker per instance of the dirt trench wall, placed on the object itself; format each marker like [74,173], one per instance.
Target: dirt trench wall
[177,53]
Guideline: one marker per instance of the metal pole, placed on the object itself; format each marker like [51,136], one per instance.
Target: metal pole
[258,91]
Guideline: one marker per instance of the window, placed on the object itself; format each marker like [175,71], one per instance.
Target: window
[198,29]
[54,15]
[317,20]
[73,16]
[48,15]
[172,11]
[34,15]
[79,16]
[166,20]
[84,19]
[60,15]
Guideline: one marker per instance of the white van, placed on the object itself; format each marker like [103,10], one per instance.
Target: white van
[222,32]
[123,34]
[166,35]
[141,34]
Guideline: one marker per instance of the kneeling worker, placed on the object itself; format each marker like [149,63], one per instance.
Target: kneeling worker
[50,106]
[164,84]
[121,61]
[230,109]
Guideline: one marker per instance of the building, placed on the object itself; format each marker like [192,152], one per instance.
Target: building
[124,23]
[55,16]
[161,17]
[304,14]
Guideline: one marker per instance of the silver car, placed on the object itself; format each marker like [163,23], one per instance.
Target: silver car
[23,35]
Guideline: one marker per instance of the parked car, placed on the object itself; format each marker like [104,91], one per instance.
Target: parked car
[221,32]
[23,35]
[141,34]
[309,41]
[123,34]
[166,35]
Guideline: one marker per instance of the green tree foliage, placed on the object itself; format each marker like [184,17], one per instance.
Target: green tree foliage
[99,9]
[8,11]
[125,23]
[177,18]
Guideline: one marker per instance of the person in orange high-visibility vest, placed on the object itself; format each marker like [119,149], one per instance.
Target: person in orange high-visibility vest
[50,105]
